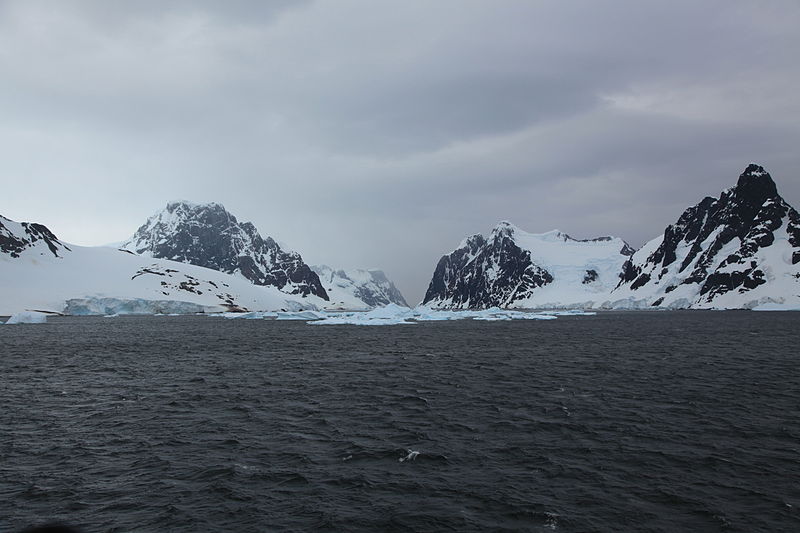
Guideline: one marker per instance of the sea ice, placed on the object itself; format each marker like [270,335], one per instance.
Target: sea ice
[275,315]
[252,315]
[301,315]
[394,314]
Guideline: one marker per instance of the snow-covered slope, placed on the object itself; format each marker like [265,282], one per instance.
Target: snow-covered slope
[357,288]
[512,268]
[740,250]
[39,272]
[207,235]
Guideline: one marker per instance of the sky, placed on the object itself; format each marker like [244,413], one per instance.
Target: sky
[380,134]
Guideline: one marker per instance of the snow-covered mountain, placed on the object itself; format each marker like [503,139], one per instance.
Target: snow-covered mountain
[512,268]
[740,250]
[209,236]
[357,288]
[39,272]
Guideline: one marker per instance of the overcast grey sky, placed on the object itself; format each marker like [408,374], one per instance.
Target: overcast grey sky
[380,133]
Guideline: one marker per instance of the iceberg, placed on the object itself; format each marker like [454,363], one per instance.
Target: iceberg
[28,317]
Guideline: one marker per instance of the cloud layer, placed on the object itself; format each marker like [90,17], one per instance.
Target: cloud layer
[378,134]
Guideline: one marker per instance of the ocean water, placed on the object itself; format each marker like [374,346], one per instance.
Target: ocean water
[638,421]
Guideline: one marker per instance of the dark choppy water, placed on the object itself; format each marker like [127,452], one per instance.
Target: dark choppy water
[682,421]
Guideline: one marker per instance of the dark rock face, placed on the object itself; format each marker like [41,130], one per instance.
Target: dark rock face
[793,228]
[209,236]
[486,273]
[14,244]
[744,218]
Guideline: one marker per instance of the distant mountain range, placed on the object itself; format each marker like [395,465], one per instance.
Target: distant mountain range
[356,288]
[185,258]
[741,250]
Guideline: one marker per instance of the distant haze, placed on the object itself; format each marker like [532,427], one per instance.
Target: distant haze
[379,134]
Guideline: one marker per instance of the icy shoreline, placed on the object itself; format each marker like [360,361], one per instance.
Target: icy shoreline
[382,316]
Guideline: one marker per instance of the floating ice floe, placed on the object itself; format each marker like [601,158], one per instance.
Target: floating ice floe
[28,317]
[274,315]
[394,314]
[252,315]
[410,457]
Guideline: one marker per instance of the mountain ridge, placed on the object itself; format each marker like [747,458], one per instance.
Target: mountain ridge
[208,235]
[735,243]
[739,250]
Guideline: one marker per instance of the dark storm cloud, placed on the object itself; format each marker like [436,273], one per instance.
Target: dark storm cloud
[381,133]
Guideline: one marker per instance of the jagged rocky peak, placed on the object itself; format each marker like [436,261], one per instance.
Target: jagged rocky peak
[358,288]
[18,237]
[755,184]
[721,250]
[208,235]
[504,228]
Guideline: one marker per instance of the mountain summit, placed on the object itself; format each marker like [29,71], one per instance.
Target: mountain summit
[209,236]
[739,250]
